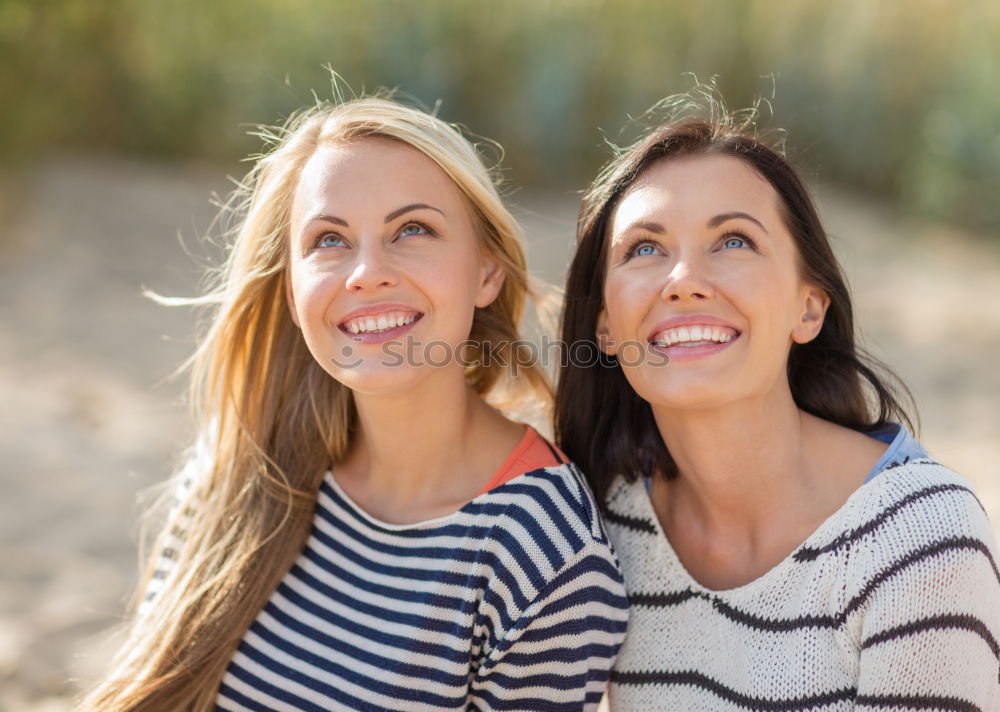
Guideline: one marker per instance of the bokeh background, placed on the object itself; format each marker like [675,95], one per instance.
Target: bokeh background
[121,118]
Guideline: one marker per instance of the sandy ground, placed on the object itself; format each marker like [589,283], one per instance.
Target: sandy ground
[87,421]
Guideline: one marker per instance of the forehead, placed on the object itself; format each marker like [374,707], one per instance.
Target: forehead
[373,172]
[696,188]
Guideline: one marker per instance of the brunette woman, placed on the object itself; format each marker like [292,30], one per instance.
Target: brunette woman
[786,542]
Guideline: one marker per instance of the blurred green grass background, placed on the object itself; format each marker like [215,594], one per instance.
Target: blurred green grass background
[896,99]
[120,118]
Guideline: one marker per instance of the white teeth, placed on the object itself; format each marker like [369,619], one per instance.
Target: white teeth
[383,322]
[694,335]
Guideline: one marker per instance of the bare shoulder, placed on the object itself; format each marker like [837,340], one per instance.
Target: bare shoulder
[847,455]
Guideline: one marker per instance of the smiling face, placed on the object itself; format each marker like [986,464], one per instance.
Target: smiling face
[702,269]
[384,249]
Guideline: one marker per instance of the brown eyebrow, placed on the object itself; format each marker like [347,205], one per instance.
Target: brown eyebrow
[328,218]
[388,218]
[719,219]
[653,227]
[407,208]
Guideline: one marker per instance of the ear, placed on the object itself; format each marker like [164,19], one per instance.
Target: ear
[491,277]
[290,298]
[605,343]
[814,306]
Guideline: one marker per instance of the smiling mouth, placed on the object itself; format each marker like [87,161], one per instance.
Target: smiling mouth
[695,335]
[379,324]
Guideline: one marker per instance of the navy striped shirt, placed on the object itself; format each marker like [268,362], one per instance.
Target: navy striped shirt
[514,602]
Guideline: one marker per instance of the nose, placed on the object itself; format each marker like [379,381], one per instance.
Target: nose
[687,281]
[373,270]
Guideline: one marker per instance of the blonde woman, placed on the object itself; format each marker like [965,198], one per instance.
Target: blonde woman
[363,529]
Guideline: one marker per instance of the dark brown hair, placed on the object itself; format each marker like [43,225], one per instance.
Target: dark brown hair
[600,422]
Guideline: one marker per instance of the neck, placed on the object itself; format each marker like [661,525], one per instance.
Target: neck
[421,446]
[739,467]
[755,479]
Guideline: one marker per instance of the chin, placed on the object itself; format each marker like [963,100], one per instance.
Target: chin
[683,393]
[377,380]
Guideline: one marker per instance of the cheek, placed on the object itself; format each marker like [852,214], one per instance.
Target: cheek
[627,298]
[448,282]
[454,273]
[313,291]
[770,301]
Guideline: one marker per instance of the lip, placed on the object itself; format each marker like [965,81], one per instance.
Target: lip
[691,320]
[687,353]
[374,310]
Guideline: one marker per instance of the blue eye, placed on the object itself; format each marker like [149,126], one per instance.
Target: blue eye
[413,229]
[736,242]
[645,250]
[330,240]
[641,247]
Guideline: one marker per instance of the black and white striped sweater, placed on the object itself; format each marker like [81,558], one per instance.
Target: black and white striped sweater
[893,603]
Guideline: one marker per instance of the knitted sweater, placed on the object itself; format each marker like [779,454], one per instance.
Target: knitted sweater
[892,603]
[514,602]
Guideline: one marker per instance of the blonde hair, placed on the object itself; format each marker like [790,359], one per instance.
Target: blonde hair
[273,420]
